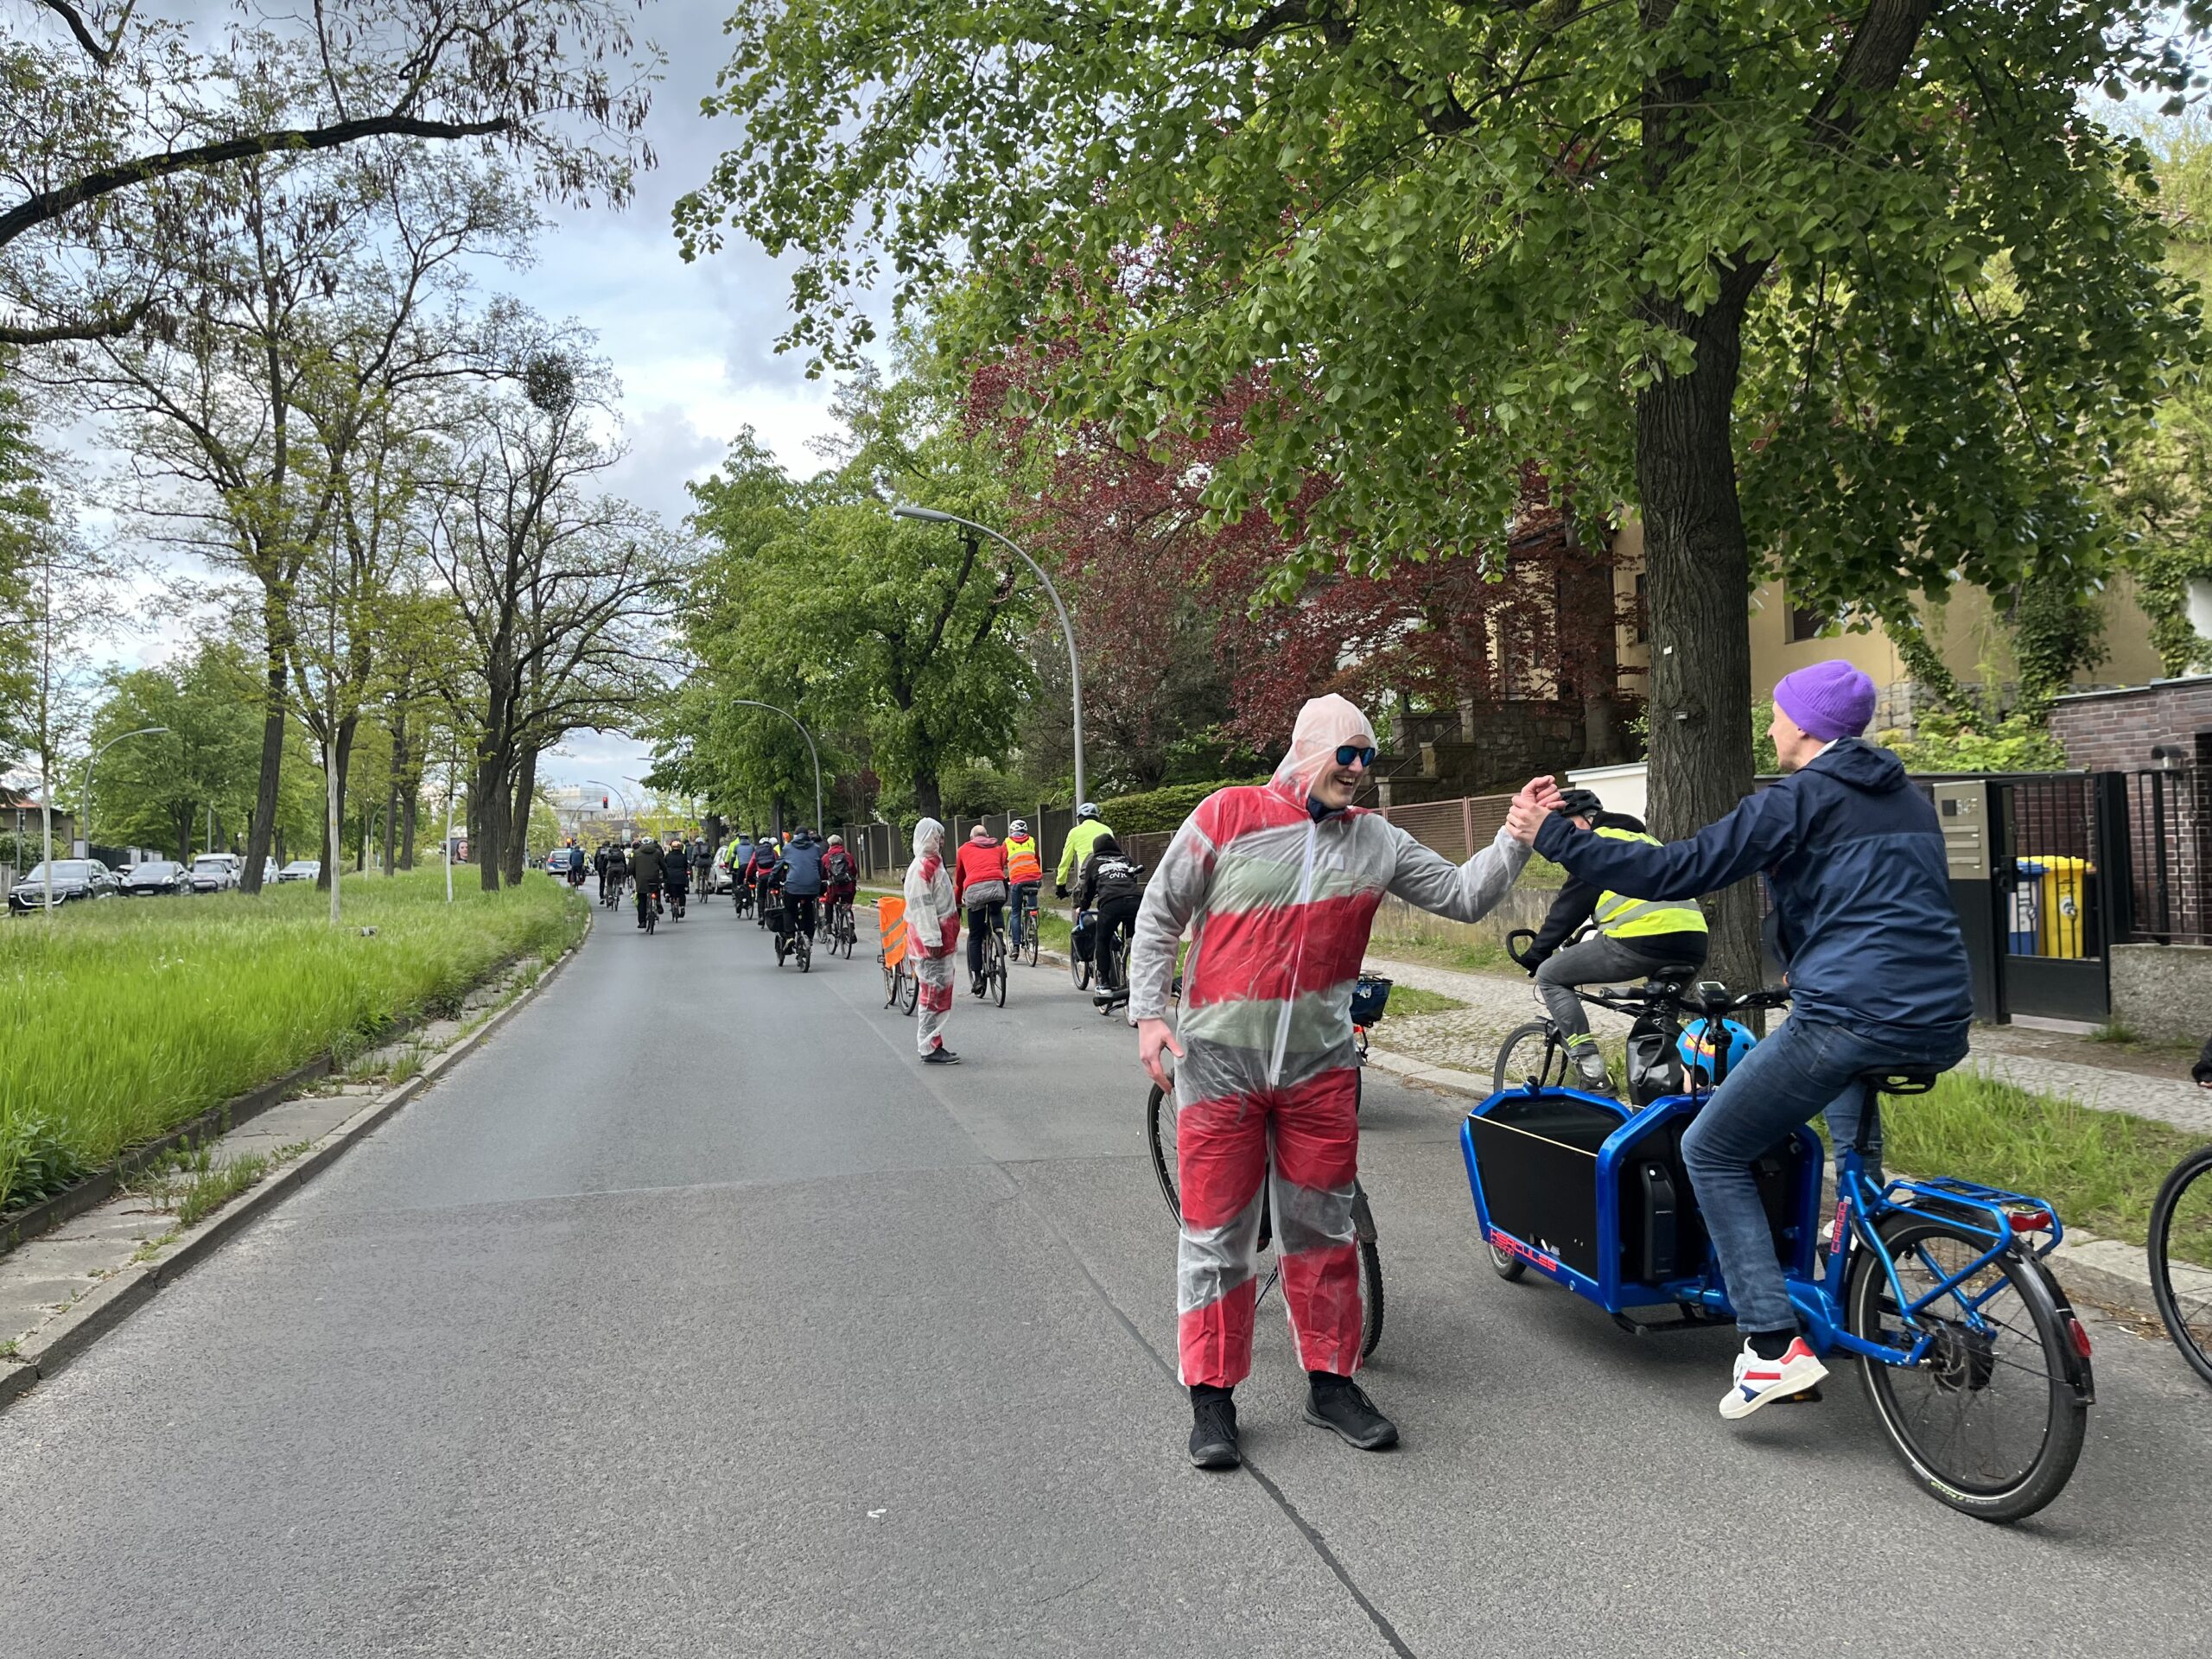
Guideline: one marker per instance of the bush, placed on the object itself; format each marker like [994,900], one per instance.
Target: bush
[1947,743]
[1160,809]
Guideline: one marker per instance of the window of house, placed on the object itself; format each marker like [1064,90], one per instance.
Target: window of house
[1807,623]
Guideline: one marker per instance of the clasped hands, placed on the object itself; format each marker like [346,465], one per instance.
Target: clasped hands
[1538,799]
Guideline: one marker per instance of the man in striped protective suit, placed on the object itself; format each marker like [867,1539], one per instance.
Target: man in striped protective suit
[1279,885]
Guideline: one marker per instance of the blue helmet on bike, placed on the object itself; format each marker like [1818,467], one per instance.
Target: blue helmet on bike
[1696,1047]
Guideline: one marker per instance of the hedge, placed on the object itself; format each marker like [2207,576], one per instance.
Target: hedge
[1159,810]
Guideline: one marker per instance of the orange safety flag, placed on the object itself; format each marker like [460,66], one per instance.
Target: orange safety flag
[891,918]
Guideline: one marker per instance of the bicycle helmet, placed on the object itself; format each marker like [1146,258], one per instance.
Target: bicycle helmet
[1579,804]
[1696,1045]
[1019,827]
[1088,810]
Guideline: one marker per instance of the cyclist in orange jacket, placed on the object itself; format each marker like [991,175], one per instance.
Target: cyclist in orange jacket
[1025,869]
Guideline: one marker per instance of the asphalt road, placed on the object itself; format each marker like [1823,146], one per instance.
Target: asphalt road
[692,1316]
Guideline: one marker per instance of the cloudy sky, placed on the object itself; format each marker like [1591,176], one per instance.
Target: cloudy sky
[692,344]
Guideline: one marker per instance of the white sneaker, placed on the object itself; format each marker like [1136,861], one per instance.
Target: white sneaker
[1758,1380]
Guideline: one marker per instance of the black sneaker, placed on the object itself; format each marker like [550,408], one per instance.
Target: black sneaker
[1339,1402]
[1213,1434]
[940,1056]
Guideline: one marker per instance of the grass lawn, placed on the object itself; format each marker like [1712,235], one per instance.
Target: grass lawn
[128,1017]
[2100,1169]
[1411,999]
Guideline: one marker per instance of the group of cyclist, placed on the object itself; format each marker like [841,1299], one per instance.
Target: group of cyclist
[661,873]
[789,881]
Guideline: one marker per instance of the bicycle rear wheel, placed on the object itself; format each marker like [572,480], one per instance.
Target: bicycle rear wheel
[1078,967]
[2181,1258]
[1029,938]
[1990,1421]
[890,982]
[1530,1051]
[801,943]
[1160,1137]
[998,970]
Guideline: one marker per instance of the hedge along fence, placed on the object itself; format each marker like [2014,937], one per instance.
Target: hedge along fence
[121,1019]
[1161,810]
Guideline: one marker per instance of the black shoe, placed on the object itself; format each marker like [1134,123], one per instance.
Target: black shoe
[940,1056]
[1339,1402]
[1213,1434]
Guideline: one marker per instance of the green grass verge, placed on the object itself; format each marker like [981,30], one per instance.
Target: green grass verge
[2100,1169]
[126,1019]
[1478,955]
[1406,999]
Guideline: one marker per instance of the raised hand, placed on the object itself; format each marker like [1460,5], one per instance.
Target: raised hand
[1525,816]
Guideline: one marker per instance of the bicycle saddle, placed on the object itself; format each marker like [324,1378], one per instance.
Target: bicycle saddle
[1900,1079]
[1669,980]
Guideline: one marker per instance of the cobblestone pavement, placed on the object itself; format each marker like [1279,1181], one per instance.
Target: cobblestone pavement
[2144,1084]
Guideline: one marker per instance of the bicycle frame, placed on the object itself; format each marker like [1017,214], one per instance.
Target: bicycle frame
[1816,1280]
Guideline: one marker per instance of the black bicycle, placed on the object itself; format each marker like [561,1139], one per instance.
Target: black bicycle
[837,927]
[992,955]
[1078,961]
[1109,969]
[1368,1003]
[1537,1052]
[2181,1258]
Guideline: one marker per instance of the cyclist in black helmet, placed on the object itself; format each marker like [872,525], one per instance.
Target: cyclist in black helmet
[1633,938]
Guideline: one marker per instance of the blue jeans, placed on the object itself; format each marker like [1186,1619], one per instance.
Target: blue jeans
[1025,894]
[1803,1069]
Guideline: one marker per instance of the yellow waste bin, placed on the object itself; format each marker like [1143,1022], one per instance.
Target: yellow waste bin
[2062,924]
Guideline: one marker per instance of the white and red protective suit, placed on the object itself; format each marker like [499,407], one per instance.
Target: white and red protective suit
[933,930]
[1280,896]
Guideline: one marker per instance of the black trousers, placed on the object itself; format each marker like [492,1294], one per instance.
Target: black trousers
[1114,918]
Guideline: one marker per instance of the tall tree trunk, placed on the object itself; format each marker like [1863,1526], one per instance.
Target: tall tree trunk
[409,804]
[488,805]
[392,779]
[1698,590]
[929,795]
[277,631]
[518,814]
[332,855]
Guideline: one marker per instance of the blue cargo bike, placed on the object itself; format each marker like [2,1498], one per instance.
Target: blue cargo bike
[1976,1365]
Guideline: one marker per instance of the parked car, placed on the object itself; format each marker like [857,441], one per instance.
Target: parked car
[73,878]
[301,869]
[155,877]
[214,873]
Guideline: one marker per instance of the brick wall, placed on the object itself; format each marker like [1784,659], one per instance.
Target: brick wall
[2115,731]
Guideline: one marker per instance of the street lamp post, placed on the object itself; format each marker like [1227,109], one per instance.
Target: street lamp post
[748,702]
[85,800]
[932,516]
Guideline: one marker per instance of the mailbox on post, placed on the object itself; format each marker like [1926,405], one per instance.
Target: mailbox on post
[1963,810]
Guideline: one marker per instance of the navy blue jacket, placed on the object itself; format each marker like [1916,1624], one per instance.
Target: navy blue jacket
[1854,859]
[801,866]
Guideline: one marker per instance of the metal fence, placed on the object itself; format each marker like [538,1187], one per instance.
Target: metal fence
[2170,855]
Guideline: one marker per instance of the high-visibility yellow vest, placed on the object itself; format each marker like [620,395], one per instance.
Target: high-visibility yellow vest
[1619,916]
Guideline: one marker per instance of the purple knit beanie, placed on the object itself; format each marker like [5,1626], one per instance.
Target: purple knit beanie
[1827,700]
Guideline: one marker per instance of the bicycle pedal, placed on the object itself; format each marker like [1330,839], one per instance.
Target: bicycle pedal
[1803,1397]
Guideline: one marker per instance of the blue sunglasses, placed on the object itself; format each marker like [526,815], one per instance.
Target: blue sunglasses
[1348,753]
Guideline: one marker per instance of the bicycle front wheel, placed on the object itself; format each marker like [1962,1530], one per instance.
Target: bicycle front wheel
[1370,1297]
[1530,1051]
[890,982]
[2181,1258]
[1159,1136]
[1990,1421]
[911,994]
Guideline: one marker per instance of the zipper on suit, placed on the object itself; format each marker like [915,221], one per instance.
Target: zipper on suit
[1297,955]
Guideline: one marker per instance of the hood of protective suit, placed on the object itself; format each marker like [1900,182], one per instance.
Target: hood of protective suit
[929,837]
[1324,725]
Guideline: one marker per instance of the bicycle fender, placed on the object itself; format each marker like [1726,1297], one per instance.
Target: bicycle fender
[2072,1352]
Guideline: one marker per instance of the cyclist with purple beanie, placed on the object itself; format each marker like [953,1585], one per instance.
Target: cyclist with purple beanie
[1854,859]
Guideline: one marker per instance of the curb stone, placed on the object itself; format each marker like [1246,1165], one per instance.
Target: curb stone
[2105,1272]
[113,1299]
